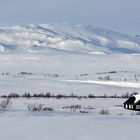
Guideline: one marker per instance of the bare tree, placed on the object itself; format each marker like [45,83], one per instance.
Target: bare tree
[104,111]
[5,104]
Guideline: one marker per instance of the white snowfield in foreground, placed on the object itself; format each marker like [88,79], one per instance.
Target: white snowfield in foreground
[64,124]
[70,128]
[108,83]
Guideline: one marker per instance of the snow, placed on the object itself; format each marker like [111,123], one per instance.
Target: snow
[127,44]
[69,66]
[97,53]
[67,37]
[1,48]
[110,83]
[19,123]
[137,98]
[76,128]
[81,57]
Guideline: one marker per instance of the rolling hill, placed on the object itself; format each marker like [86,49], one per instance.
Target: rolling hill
[67,38]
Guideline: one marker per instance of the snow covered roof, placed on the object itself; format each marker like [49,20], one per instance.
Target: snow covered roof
[133,100]
[137,98]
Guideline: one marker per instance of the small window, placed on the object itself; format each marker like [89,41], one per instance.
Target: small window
[137,106]
[126,106]
[130,106]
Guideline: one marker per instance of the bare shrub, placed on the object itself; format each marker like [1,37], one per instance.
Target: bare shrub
[35,107]
[127,95]
[13,95]
[47,109]
[104,112]
[5,104]
[72,107]
[26,95]
[83,111]
[107,78]
[38,108]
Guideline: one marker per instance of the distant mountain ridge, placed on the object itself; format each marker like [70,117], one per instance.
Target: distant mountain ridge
[66,37]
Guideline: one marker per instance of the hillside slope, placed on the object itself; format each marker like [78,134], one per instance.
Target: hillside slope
[66,37]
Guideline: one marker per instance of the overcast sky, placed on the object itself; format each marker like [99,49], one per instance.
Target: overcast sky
[119,15]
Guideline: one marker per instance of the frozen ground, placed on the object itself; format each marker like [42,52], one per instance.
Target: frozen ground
[50,72]
[44,67]
[18,123]
[70,128]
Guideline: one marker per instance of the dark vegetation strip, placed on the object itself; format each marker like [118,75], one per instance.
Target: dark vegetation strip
[62,96]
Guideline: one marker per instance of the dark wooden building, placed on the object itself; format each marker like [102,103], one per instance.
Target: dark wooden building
[133,103]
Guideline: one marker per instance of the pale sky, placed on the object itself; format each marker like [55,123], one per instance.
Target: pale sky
[119,15]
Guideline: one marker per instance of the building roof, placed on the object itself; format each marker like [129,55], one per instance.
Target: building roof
[137,98]
[133,100]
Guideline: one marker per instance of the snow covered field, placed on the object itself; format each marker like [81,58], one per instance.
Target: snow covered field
[49,73]
[73,127]
[19,123]
[65,59]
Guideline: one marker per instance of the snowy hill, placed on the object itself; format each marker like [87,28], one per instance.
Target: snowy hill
[66,37]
